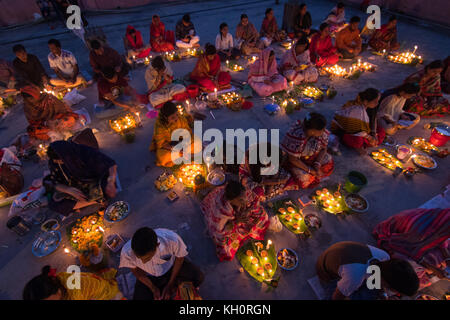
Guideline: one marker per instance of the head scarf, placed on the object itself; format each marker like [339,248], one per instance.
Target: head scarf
[135,44]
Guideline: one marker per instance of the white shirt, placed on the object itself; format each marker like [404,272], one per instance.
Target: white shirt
[171,246]
[392,107]
[224,43]
[353,274]
[65,62]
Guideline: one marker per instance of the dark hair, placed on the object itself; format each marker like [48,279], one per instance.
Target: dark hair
[222,25]
[42,286]
[436,64]
[323,26]
[272,53]
[369,94]
[108,72]
[301,6]
[210,49]
[95,44]
[409,88]
[392,18]
[244,16]
[186,18]
[268,11]
[255,168]
[144,241]
[302,41]
[18,48]
[54,42]
[314,121]
[340,5]
[158,63]
[399,275]
[355,19]
[168,109]
[233,189]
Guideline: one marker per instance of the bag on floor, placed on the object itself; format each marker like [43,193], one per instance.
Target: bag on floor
[73,97]
[33,198]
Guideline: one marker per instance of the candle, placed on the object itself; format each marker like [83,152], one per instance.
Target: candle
[215,93]
[415,48]
[269,243]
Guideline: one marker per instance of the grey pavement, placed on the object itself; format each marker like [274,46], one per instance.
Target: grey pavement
[387,195]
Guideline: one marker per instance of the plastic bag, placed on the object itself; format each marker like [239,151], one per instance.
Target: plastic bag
[275,224]
[73,97]
[33,198]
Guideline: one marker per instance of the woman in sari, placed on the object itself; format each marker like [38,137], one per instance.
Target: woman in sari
[247,37]
[385,38]
[207,71]
[160,39]
[296,64]
[50,285]
[302,22]
[422,235]
[80,176]
[354,126]
[269,29]
[336,18]
[169,120]
[135,45]
[322,50]
[233,214]
[264,185]
[306,145]
[429,102]
[46,114]
[390,112]
[263,76]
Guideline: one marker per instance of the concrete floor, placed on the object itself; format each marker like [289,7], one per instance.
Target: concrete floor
[387,195]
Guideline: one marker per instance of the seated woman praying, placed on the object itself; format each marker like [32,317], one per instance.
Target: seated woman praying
[80,176]
[269,29]
[162,40]
[134,45]
[322,50]
[303,22]
[391,116]
[354,126]
[50,285]
[46,114]
[233,214]
[429,102]
[225,45]
[296,64]
[263,76]
[253,175]
[159,77]
[207,71]
[169,120]
[385,38]
[336,18]
[306,145]
[247,37]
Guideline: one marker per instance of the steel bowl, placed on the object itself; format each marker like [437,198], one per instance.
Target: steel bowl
[293,253]
[359,196]
[112,206]
[216,177]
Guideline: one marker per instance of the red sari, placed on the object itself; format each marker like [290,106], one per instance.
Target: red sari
[322,51]
[205,69]
[227,234]
[160,39]
[136,43]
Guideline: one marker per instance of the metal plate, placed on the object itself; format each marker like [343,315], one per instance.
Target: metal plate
[216,177]
[112,206]
[358,196]
[46,243]
[424,155]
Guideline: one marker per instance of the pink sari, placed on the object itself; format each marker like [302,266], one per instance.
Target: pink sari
[227,234]
[260,71]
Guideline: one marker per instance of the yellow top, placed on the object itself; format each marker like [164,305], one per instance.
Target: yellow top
[92,287]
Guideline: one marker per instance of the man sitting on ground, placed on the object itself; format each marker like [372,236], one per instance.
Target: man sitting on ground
[344,266]
[157,258]
[102,57]
[348,41]
[185,34]
[159,77]
[65,66]
[29,68]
